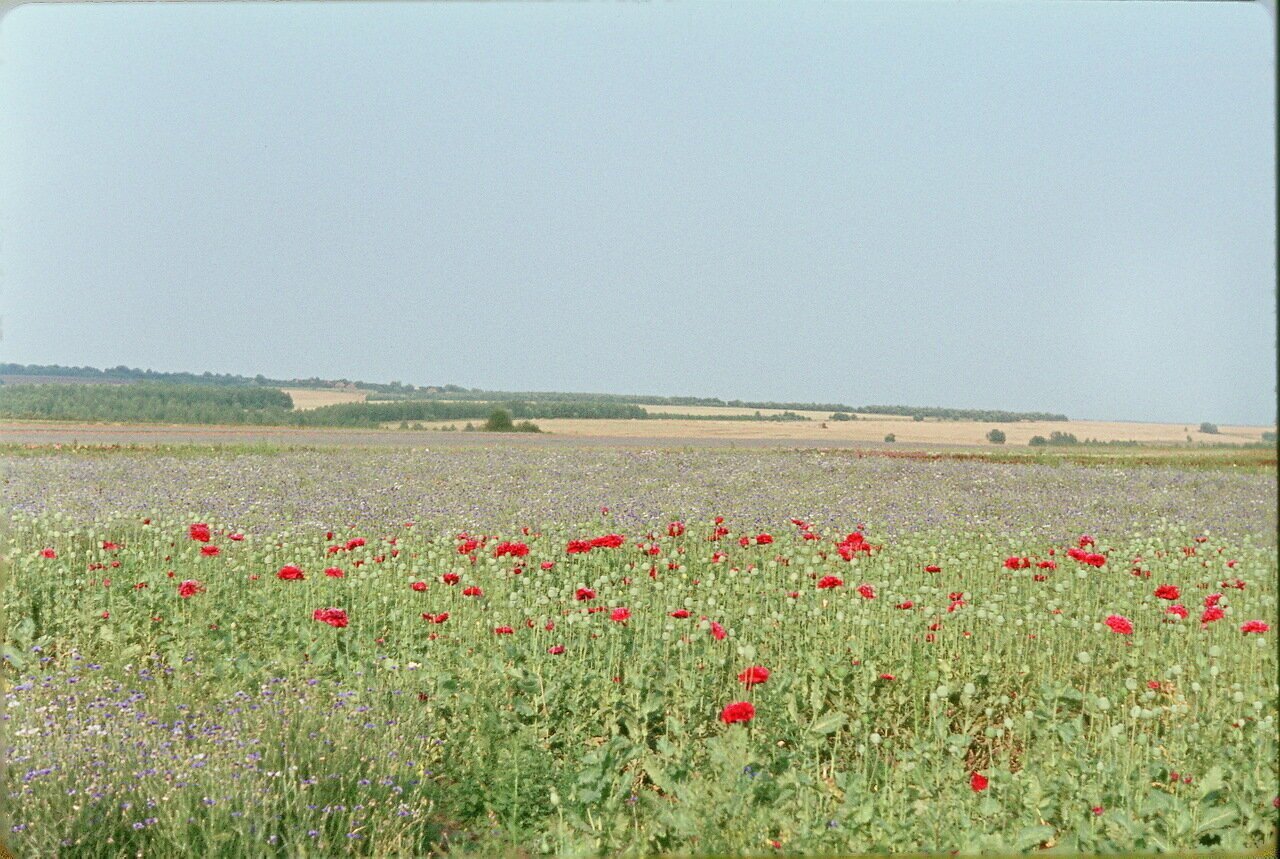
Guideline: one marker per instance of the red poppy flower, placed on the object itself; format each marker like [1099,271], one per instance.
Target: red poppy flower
[1168,592]
[451,578]
[933,568]
[620,615]
[546,565]
[739,711]
[48,553]
[1119,624]
[1211,614]
[1018,563]
[517,550]
[209,551]
[419,586]
[584,595]
[335,617]
[717,631]
[1178,610]
[472,591]
[830,582]
[503,630]
[189,588]
[236,537]
[906,604]
[754,675]
[290,573]
[978,782]
[680,613]
[334,572]
[1211,600]
[867,592]
[675,529]
[1048,565]
[199,531]
[764,539]
[555,649]
[1254,626]
[357,542]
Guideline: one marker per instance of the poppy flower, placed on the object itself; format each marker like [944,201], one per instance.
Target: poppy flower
[906,604]
[48,553]
[1211,600]
[335,617]
[1119,624]
[419,586]
[200,532]
[435,618]
[717,631]
[1254,626]
[754,675]
[290,573]
[1177,610]
[334,572]
[675,529]
[236,537]
[1168,592]
[739,711]
[355,543]
[1018,563]
[503,630]
[1211,614]
[584,595]
[680,613]
[209,551]
[1047,565]
[555,649]
[933,568]
[620,615]
[546,565]
[867,592]
[978,782]
[764,539]
[472,591]
[451,578]
[828,582]
[189,588]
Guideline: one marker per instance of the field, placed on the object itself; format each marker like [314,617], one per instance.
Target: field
[313,398]
[498,648]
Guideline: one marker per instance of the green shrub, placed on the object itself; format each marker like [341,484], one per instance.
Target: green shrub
[499,421]
[996,437]
[1208,428]
[891,438]
[1038,441]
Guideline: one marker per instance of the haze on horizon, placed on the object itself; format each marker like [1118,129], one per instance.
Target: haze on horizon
[1063,207]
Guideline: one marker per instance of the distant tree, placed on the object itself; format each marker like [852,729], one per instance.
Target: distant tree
[1057,437]
[470,427]
[917,418]
[404,424]
[1208,428]
[1269,436]
[1038,441]
[996,437]
[891,438]
[527,426]
[499,421]
[842,416]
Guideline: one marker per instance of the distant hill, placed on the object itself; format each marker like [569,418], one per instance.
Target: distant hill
[545,403]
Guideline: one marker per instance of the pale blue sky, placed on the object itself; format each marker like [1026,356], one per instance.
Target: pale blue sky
[1064,207]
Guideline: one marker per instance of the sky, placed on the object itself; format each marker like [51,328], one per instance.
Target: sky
[1066,207]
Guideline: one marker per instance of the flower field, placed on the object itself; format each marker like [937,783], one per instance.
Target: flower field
[503,651]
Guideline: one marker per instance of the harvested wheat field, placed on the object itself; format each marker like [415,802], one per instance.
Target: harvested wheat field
[305,399]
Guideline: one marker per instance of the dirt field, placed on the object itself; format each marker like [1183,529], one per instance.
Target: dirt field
[875,428]
[314,398]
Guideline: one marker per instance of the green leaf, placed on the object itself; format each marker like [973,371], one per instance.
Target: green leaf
[1033,836]
[1220,818]
[828,724]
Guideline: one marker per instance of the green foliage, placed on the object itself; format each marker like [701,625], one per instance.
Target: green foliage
[1269,437]
[843,416]
[890,437]
[248,725]
[1208,428]
[996,436]
[985,415]
[146,401]
[499,421]
[1038,441]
